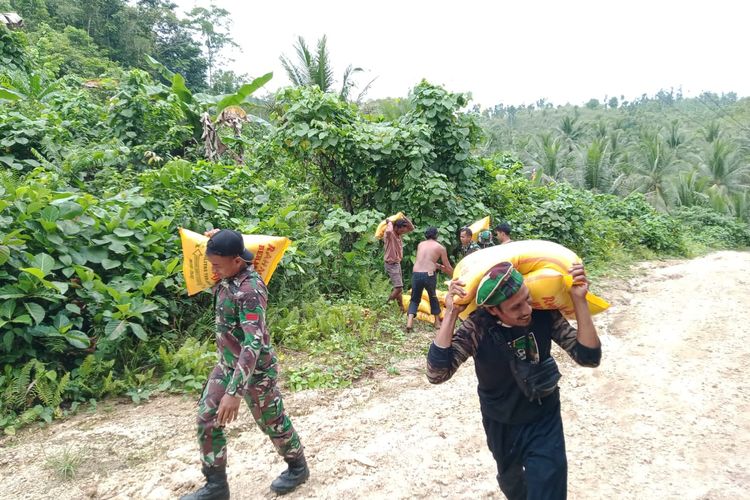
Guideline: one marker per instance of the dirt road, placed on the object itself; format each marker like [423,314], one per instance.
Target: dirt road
[667,415]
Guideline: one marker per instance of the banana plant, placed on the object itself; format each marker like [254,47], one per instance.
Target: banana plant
[33,89]
[194,105]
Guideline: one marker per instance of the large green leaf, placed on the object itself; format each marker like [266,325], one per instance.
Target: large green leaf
[9,95]
[23,319]
[179,88]
[110,263]
[4,254]
[243,93]
[115,328]
[160,68]
[7,308]
[34,272]
[77,338]
[139,331]
[209,203]
[149,284]
[44,262]
[36,311]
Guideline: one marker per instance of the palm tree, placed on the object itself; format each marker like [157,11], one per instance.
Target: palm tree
[690,189]
[740,203]
[598,172]
[570,130]
[314,68]
[548,157]
[675,137]
[595,174]
[711,132]
[725,169]
[653,170]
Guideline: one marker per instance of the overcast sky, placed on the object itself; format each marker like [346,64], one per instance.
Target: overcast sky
[510,52]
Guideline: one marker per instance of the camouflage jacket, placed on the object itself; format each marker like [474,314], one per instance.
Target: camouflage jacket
[242,339]
[463,251]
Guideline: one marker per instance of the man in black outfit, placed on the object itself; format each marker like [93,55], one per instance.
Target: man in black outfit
[517,377]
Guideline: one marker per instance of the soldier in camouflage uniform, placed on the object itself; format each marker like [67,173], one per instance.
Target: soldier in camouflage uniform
[247,369]
[484,240]
[467,245]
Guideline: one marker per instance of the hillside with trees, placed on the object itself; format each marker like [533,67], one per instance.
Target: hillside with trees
[119,125]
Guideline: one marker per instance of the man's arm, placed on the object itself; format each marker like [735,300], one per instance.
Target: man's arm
[446,267]
[448,351]
[582,345]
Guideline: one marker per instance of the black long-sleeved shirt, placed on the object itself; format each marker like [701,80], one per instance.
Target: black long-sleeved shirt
[499,395]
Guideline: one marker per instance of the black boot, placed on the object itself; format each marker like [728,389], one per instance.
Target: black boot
[296,474]
[216,487]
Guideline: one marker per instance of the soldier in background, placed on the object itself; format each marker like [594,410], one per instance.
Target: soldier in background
[247,369]
[468,246]
[484,239]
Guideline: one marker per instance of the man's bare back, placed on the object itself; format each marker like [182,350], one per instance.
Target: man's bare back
[428,254]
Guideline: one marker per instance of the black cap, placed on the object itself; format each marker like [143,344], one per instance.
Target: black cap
[228,243]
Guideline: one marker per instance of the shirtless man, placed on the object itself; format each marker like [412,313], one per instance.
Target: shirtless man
[424,275]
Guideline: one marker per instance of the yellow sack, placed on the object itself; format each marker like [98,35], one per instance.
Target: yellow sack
[424,303]
[478,227]
[380,231]
[544,266]
[427,318]
[440,296]
[268,251]
[424,313]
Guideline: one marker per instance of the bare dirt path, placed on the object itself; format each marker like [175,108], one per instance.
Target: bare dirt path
[667,415]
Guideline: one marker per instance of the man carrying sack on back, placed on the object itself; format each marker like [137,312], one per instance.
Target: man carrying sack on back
[393,254]
[517,377]
[247,369]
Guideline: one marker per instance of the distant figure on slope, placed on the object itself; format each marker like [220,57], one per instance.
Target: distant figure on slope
[424,275]
[394,254]
[247,369]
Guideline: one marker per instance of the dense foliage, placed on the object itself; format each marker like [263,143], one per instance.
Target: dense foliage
[678,152]
[101,164]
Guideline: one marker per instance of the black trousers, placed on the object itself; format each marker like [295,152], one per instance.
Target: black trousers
[420,282]
[531,461]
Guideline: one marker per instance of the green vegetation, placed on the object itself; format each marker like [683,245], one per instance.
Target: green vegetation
[66,463]
[104,154]
[678,152]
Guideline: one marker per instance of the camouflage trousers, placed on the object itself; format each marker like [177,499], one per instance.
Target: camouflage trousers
[265,403]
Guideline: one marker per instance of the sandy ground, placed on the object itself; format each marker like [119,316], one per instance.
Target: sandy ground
[666,415]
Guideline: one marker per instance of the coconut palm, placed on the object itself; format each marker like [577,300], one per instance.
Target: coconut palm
[571,130]
[690,189]
[675,137]
[314,68]
[740,203]
[598,174]
[726,171]
[653,169]
[711,132]
[549,158]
